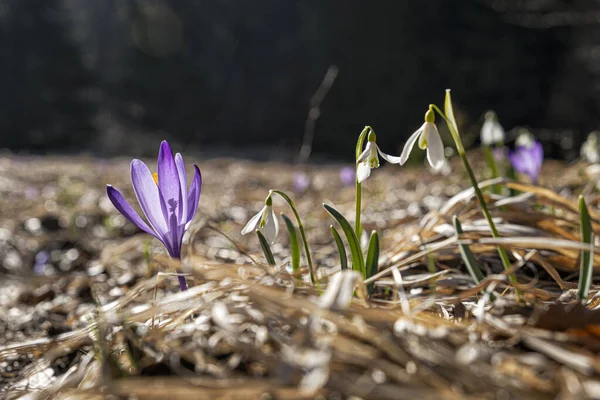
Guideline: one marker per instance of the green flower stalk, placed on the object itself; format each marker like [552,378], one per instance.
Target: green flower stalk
[448,116]
[365,161]
[492,134]
[266,221]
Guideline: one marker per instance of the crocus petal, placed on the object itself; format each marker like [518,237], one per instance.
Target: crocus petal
[271,228]
[148,196]
[363,171]
[168,178]
[251,225]
[365,154]
[410,144]
[194,194]
[388,158]
[127,210]
[435,147]
[537,153]
[183,186]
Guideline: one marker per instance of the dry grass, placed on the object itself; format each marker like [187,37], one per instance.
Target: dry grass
[246,330]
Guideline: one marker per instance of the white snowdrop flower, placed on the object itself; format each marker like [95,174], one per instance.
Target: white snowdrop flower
[369,158]
[590,150]
[265,221]
[491,130]
[429,138]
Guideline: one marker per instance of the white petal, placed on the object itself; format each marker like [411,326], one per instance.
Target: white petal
[491,132]
[271,228]
[487,133]
[435,147]
[410,144]
[363,171]
[373,157]
[365,154]
[498,133]
[251,225]
[388,158]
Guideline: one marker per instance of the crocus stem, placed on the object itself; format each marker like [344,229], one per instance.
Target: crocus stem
[359,149]
[486,212]
[182,283]
[302,233]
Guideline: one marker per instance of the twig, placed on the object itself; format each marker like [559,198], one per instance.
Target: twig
[314,112]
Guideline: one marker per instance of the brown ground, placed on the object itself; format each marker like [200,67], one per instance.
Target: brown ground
[89,309]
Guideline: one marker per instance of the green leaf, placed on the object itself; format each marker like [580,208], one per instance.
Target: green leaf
[467,256]
[353,243]
[587,260]
[372,261]
[449,111]
[264,244]
[340,247]
[294,244]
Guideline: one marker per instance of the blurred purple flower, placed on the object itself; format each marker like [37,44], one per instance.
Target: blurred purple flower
[527,159]
[301,182]
[41,260]
[164,198]
[348,176]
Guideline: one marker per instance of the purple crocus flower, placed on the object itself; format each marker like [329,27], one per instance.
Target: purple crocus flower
[348,176]
[301,182]
[164,198]
[527,159]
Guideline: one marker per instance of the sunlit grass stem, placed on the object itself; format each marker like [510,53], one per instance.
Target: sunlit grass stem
[486,212]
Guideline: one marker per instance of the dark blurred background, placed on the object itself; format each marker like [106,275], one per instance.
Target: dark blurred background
[111,77]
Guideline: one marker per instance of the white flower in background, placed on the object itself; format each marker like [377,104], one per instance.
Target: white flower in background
[491,130]
[369,158]
[429,138]
[590,150]
[265,220]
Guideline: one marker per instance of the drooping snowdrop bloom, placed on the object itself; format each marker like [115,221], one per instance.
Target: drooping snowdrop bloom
[491,130]
[265,221]
[590,150]
[369,158]
[429,138]
[528,156]
[165,200]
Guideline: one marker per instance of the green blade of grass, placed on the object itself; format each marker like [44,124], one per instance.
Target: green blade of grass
[449,110]
[467,256]
[587,261]
[294,243]
[340,247]
[353,243]
[264,245]
[372,260]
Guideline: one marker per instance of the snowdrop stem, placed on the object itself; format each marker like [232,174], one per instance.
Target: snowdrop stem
[359,150]
[455,136]
[287,199]
[484,208]
[489,158]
